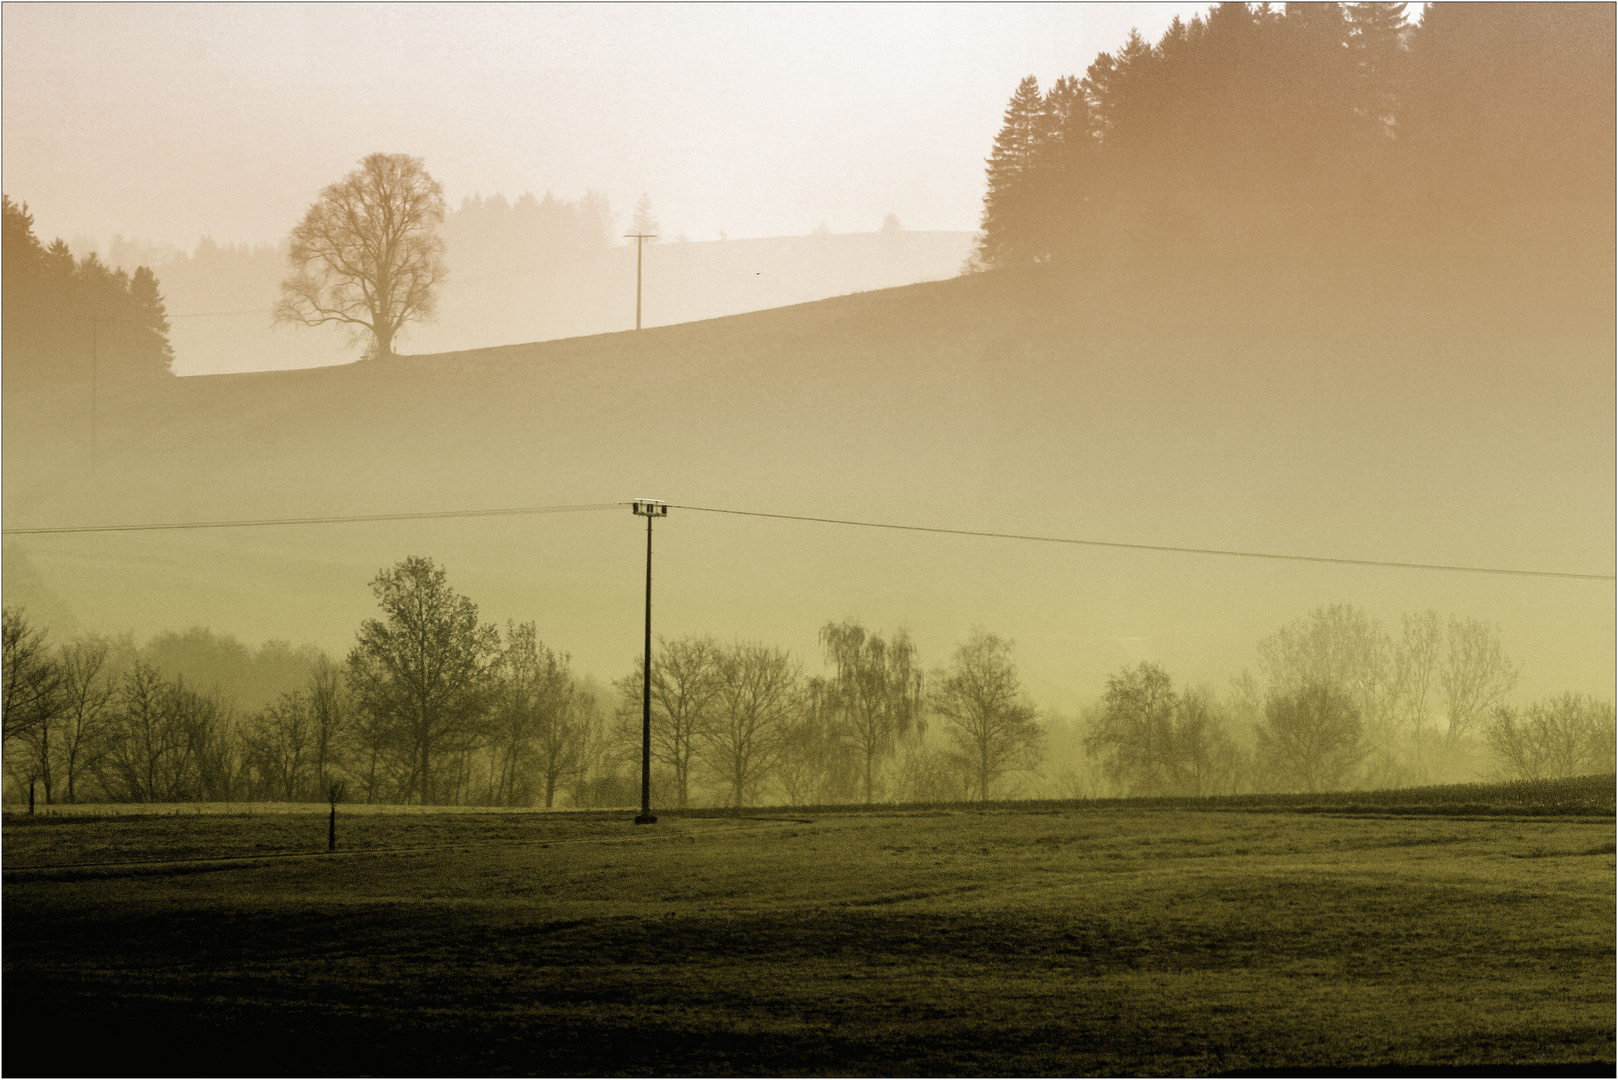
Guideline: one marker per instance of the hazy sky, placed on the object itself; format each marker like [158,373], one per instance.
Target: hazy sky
[170,121]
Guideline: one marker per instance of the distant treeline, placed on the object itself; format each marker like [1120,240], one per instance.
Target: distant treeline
[64,316]
[431,706]
[69,320]
[1344,705]
[1329,129]
[494,236]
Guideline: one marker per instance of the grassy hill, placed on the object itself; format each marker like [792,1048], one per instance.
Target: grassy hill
[520,293]
[1384,419]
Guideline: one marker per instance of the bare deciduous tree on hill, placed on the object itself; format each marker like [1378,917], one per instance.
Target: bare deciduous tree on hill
[876,690]
[1476,676]
[425,670]
[758,695]
[685,683]
[1153,740]
[562,720]
[991,724]
[31,677]
[818,764]
[88,691]
[1415,667]
[169,743]
[277,742]
[1311,737]
[368,254]
[1567,735]
[1134,735]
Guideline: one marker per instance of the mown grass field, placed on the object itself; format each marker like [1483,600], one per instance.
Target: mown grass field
[1046,939]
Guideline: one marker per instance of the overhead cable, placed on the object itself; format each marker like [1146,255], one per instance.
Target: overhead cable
[515,511]
[1153,547]
[520,511]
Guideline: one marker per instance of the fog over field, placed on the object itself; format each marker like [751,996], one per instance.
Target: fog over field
[757,539]
[1369,333]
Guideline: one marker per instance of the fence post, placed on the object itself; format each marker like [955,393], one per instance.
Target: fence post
[331,825]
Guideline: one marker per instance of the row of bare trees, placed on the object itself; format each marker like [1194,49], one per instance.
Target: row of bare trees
[1564,735]
[429,707]
[743,721]
[80,719]
[432,706]
[1345,703]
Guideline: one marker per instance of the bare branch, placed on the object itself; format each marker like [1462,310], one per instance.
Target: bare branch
[367,253]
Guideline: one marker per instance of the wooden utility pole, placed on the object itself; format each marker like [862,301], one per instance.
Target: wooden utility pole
[648,509]
[640,245]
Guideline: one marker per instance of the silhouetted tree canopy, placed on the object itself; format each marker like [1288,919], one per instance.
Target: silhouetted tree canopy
[368,254]
[1315,124]
[423,673]
[68,321]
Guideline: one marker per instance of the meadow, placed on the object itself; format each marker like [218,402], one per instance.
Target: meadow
[1105,938]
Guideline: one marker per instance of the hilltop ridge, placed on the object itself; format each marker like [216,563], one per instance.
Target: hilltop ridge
[1378,422]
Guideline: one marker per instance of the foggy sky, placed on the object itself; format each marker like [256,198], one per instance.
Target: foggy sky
[170,122]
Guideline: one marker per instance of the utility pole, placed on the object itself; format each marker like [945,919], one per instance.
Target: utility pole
[640,244]
[95,369]
[648,509]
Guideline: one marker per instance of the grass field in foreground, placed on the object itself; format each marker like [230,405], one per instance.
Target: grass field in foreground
[1010,941]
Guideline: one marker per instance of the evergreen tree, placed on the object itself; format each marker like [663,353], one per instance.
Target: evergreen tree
[1376,46]
[61,315]
[1245,133]
[1511,99]
[1009,230]
[643,222]
[148,346]
[1316,70]
[24,302]
[1065,169]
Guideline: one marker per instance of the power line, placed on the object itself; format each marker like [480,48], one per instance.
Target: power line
[516,511]
[528,510]
[1152,547]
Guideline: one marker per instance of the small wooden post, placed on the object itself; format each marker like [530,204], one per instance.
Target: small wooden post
[331,826]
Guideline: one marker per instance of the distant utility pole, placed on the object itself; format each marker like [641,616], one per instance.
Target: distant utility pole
[95,370]
[640,243]
[648,509]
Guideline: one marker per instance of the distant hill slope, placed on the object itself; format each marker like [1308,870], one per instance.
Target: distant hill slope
[224,296]
[1389,420]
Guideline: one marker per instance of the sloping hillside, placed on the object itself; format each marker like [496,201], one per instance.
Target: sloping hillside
[1371,422]
[222,298]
